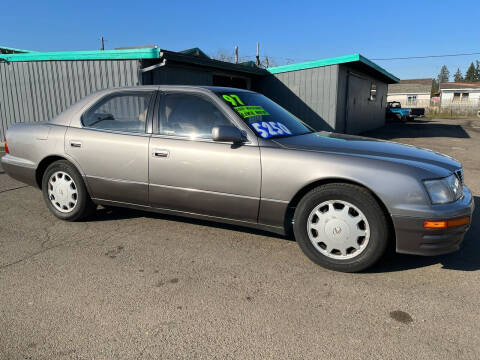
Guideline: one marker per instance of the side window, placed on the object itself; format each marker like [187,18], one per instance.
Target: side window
[122,112]
[190,115]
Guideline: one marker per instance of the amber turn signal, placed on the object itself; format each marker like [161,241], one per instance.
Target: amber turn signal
[458,222]
[443,224]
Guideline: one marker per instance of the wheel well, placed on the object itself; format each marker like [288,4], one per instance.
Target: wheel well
[42,166]
[302,192]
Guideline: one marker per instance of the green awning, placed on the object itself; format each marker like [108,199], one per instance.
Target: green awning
[146,53]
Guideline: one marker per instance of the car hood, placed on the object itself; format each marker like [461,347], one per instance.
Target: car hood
[368,147]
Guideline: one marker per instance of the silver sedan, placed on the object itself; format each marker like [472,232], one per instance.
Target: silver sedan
[235,156]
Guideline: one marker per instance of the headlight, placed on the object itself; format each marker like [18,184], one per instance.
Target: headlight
[444,190]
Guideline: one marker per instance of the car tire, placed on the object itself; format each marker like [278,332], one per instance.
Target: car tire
[65,193]
[361,206]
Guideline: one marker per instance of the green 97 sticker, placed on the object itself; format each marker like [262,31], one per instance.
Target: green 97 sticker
[245,111]
[233,99]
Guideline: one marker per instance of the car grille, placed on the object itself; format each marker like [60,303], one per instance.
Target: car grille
[459,174]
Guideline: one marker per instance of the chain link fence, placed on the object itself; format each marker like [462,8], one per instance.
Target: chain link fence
[454,109]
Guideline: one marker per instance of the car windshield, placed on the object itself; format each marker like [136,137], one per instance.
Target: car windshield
[264,116]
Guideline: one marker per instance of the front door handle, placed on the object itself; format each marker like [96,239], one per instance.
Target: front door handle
[160,153]
[76,144]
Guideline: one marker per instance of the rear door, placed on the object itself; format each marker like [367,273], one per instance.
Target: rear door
[112,146]
[190,172]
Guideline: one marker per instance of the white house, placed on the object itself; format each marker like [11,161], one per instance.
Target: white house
[411,92]
[460,94]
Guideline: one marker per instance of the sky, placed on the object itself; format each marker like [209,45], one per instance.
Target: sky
[299,30]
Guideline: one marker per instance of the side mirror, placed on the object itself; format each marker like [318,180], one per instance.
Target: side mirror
[228,134]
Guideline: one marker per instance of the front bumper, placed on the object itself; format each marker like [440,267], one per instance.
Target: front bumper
[413,238]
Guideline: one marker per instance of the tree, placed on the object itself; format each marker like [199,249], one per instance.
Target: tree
[435,87]
[471,75]
[444,74]
[224,55]
[477,71]
[268,62]
[458,77]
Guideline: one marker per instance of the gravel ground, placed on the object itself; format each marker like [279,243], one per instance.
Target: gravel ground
[135,285]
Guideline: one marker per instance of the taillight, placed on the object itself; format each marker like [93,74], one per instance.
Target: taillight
[6,147]
[410,112]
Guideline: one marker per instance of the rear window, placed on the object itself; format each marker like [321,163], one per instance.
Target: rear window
[125,112]
[264,116]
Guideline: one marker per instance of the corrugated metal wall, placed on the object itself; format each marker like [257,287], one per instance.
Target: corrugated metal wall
[310,94]
[40,90]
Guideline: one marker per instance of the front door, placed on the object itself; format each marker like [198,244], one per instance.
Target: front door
[357,104]
[189,172]
[112,147]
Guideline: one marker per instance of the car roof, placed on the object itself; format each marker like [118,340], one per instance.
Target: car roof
[224,89]
[179,87]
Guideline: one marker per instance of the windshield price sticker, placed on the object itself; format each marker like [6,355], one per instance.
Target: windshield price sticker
[233,99]
[245,111]
[251,110]
[271,128]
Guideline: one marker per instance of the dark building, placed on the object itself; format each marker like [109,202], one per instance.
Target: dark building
[345,94]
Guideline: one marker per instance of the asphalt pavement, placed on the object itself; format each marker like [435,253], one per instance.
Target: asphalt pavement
[135,285]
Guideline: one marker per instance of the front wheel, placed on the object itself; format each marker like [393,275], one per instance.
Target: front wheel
[341,227]
[65,193]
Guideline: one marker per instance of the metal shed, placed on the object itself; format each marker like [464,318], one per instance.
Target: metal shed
[328,94]
[344,94]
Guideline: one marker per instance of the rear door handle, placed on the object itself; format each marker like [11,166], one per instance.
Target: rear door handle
[76,144]
[160,153]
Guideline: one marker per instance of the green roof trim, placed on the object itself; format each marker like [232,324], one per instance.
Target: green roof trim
[146,53]
[370,63]
[332,61]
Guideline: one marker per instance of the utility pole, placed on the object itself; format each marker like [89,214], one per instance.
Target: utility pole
[236,54]
[103,43]
[258,54]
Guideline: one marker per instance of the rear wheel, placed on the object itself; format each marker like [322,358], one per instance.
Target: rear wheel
[65,193]
[341,227]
